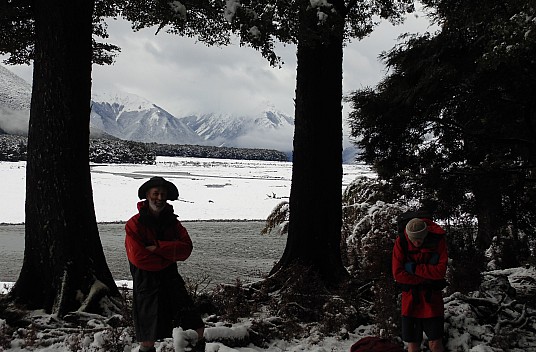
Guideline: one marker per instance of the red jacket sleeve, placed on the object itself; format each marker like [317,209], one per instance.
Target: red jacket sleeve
[399,272]
[435,271]
[178,249]
[137,254]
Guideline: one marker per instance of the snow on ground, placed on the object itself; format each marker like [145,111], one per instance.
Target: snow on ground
[468,327]
[210,189]
[234,189]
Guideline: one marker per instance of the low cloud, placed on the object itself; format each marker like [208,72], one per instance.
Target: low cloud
[14,121]
[278,139]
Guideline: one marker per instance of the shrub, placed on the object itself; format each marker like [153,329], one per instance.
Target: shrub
[233,301]
[369,233]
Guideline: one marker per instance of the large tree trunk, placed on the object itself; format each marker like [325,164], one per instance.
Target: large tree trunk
[64,267]
[316,193]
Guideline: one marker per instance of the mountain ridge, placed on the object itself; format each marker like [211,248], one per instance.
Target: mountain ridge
[130,117]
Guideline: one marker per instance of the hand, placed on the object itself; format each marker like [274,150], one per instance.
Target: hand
[434,259]
[410,267]
[150,248]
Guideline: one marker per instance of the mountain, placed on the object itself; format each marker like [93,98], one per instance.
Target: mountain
[15,96]
[131,117]
[128,116]
[269,129]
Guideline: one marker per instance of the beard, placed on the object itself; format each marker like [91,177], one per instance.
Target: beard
[156,207]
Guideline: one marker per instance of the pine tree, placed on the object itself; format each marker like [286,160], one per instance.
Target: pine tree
[454,122]
[64,268]
[319,29]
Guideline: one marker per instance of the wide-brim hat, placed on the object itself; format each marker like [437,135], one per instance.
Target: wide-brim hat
[157,181]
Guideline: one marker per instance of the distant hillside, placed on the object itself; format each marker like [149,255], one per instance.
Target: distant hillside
[112,151]
[116,151]
[201,151]
[15,96]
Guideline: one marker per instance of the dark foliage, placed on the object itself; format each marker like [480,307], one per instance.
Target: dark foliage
[280,21]
[17,32]
[233,301]
[12,148]
[454,122]
[203,19]
[199,151]
[467,261]
[116,151]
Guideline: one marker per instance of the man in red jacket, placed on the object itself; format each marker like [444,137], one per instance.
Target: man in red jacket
[155,240]
[419,266]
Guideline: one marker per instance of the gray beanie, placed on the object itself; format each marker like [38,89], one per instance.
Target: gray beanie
[416,229]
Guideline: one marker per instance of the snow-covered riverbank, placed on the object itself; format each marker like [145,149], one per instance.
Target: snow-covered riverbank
[210,189]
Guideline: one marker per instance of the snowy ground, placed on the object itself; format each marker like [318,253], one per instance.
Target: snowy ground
[482,321]
[209,188]
[226,189]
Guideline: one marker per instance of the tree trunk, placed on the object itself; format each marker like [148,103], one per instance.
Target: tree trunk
[316,192]
[64,267]
[488,205]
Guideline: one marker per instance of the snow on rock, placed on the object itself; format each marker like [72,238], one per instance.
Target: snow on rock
[226,333]
[183,338]
[492,318]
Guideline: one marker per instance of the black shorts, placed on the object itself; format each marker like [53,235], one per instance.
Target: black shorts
[413,328]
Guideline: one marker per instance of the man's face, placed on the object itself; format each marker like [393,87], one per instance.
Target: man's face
[157,197]
[417,242]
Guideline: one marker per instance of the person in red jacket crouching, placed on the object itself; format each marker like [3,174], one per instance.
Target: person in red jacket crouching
[419,266]
[155,240]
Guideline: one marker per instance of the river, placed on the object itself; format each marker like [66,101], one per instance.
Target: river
[223,251]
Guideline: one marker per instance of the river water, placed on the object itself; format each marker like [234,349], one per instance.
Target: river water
[223,251]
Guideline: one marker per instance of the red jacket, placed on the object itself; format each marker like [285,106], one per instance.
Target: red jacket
[421,301]
[165,232]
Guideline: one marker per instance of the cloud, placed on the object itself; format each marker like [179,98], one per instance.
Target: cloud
[184,76]
[278,140]
[14,121]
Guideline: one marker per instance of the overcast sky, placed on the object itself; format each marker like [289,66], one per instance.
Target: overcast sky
[183,76]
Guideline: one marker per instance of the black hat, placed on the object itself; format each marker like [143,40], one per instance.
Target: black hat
[157,181]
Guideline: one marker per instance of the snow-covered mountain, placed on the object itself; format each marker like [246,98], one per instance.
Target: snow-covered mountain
[268,129]
[128,116]
[15,96]
[131,117]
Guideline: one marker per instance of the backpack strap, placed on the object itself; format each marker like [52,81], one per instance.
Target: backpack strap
[403,244]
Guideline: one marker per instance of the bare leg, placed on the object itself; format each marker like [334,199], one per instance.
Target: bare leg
[414,347]
[436,345]
[146,345]
[200,333]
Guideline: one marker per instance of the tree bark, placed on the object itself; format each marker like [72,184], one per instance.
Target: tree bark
[488,205]
[64,267]
[316,192]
